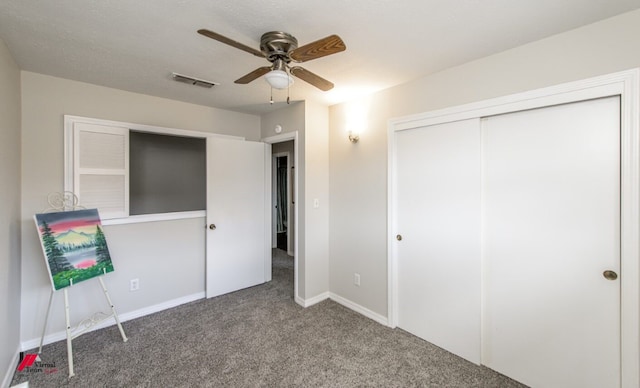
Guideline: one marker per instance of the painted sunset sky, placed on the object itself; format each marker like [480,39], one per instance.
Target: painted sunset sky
[81,221]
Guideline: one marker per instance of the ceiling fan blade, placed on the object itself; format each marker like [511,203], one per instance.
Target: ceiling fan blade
[230,42]
[253,75]
[320,48]
[311,78]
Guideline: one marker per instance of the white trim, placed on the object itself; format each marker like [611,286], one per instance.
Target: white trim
[603,86]
[69,120]
[630,230]
[392,227]
[267,213]
[62,335]
[289,208]
[296,227]
[156,217]
[13,364]
[281,138]
[484,329]
[359,309]
[627,85]
[274,211]
[274,184]
[344,302]
[311,301]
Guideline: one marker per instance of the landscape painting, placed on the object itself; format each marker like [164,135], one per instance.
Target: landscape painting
[74,246]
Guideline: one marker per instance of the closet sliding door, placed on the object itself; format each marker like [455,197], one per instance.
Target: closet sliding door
[551,228]
[519,221]
[438,242]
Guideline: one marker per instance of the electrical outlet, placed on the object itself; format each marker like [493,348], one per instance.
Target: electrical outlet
[134,284]
[356,279]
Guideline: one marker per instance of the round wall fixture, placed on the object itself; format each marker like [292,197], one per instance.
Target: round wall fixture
[278,128]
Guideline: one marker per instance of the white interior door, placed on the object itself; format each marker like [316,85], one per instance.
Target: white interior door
[438,217]
[551,228]
[238,236]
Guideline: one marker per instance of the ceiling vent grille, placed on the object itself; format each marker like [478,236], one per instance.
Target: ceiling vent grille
[193,81]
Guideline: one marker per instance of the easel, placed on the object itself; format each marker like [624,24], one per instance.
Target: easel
[64,202]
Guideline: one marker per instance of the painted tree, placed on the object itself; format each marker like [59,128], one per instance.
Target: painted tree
[55,256]
[102,252]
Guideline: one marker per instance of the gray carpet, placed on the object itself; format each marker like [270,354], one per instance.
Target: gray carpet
[258,337]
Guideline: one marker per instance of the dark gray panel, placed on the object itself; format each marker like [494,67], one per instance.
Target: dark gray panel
[167,173]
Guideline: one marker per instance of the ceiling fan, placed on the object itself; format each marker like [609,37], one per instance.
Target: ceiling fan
[281,48]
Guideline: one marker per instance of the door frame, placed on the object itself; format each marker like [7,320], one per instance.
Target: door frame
[294,182]
[625,84]
[274,196]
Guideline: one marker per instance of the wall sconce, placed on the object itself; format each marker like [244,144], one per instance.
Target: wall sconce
[356,115]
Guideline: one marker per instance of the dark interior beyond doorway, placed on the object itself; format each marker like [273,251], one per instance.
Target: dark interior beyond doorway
[281,198]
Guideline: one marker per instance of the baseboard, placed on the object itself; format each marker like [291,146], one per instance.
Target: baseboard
[62,335]
[8,376]
[311,301]
[359,309]
[346,303]
[160,307]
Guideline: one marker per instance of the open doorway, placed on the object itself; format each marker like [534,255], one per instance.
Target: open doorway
[281,198]
[283,211]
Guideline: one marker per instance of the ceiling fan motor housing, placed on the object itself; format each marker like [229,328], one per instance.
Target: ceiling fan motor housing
[277,45]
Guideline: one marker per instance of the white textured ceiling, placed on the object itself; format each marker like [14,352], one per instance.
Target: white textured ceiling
[136,45]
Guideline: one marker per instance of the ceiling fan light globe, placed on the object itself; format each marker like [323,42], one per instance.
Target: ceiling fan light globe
[278,79]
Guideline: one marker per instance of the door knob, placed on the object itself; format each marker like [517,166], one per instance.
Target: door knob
[610,275]
[399,237]
[212,226]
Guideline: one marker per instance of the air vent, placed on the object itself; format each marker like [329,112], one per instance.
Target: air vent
[193,81]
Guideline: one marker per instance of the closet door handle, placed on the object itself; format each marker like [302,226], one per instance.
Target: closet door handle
[610,275]
[212,226]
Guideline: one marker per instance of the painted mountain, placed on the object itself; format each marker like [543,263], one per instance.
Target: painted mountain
[74,246]
[73,237]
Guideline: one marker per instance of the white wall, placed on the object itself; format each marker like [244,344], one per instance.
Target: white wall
[167,257]
[316,188]
[311,121]
[291,118]
[358,175]
[357,215]
[9,214]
